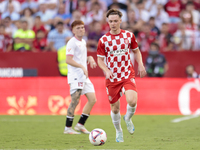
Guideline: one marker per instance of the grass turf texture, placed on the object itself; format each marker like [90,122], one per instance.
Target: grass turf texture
[46,132]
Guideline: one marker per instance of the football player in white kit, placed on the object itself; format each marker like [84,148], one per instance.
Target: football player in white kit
[78,80]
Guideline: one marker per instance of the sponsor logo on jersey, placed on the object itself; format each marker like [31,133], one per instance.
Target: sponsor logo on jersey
[119,52]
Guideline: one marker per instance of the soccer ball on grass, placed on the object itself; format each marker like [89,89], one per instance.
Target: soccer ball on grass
[97,137]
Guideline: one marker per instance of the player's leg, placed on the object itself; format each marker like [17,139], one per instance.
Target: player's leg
[89,92]
[116,119]
[75,97]
[86,112]
[131,98]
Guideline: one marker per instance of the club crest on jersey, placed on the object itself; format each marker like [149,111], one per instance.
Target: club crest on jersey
[69,49]
[126,41]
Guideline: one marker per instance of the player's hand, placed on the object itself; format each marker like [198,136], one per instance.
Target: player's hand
[85,72]
[109,74]
[141,71]
[91,61]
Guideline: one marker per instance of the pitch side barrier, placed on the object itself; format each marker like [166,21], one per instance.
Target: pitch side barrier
[46,64]
[50,96]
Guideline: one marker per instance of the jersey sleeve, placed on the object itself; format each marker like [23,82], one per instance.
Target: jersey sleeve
[70,48]
[101,49]
[134,44]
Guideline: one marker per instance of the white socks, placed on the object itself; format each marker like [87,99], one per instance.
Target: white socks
[130,112]
[116,119]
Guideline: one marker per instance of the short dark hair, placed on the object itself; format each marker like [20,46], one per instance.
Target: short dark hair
[77,22]
[113,12]
[155,44]
[59,23]
[152,18]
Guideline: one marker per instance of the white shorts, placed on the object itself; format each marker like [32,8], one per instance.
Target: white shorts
[87,87]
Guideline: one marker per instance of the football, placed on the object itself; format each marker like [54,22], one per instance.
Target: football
[97,137]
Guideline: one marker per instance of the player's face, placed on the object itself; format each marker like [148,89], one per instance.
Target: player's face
[114,22]
[79,30]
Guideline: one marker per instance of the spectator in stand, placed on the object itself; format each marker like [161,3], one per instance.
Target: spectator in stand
[54,23]
[27,15]
[96,14]
[135,25]
[146,37]
[151,5]
[153,26]
[76,15]
[11,13]
[160,16]
[39,26]
[195,2]
[102,4]
[140,11]
[165,39]
[61,13]
[182,38]
[23,38]
[32,4]
[94,36]
[10,27]
[82,7]
[156,64]
[70,6]
[195,13]
[40,42]
[190,71]
[188,20]
[45,16]
[5,40]
[173,8]
[5,4]
[185,36]
[51,6]
[57,37]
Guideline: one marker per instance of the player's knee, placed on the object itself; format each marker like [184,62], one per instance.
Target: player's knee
[132,103]
[115,110]
[93,101]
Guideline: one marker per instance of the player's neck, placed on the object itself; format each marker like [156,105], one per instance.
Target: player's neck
[115,32]
[78,37]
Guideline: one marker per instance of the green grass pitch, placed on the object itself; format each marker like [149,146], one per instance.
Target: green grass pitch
[152,132]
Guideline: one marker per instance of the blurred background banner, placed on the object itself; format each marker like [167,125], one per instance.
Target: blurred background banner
[50,95]
[47,63]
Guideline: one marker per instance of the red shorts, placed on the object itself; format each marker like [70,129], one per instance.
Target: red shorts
[115,89]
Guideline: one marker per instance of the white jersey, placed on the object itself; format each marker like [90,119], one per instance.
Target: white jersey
[78,50]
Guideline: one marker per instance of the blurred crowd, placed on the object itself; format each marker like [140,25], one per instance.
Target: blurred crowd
[44,25]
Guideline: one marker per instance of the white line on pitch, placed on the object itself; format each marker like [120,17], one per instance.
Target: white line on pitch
[184,118]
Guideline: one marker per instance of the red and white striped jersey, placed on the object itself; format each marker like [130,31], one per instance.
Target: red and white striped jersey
[116,50]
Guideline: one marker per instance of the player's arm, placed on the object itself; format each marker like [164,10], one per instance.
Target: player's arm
[100,60]
[70,61]
[138,58]
[91,62]
[102,65]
